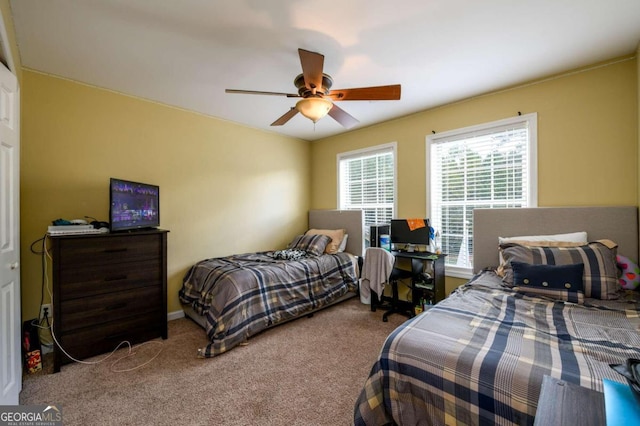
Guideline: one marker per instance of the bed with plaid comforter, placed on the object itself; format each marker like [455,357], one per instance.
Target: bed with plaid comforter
[244,294]
[479,356]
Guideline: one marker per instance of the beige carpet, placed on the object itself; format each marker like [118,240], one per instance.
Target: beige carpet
[306,372]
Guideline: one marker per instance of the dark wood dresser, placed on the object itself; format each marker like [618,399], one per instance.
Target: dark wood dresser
[108,288]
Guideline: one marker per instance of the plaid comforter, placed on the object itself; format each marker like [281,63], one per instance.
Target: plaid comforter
[244,294]
[479,356]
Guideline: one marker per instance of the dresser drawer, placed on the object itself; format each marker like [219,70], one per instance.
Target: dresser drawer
[84,251]
[87,312]
[90,280]
[105,337]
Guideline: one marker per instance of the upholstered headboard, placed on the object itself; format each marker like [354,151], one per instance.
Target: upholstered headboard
[351,220]
[619,224]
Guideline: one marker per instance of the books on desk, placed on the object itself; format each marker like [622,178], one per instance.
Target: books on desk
[620,404]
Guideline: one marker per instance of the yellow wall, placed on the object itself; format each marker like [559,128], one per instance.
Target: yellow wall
[587,140]
[224,188]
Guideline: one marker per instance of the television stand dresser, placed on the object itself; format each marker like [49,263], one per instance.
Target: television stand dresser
[108,288]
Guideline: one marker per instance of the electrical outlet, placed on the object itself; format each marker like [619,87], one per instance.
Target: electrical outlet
[46,307]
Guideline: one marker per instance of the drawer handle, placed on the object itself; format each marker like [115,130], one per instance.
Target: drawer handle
[116,278]
[115,250]
[116,306]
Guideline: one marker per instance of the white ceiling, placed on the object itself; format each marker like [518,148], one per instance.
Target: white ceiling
[186,52]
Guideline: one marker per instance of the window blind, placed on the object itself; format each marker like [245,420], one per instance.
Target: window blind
[487,167]
[367,182]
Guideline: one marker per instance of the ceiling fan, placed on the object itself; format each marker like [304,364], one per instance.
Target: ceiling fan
[317,100]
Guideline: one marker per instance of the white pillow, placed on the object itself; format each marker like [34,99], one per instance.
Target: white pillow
[573,237]
[343,244]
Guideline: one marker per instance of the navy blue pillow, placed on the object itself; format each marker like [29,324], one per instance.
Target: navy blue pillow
[559,282]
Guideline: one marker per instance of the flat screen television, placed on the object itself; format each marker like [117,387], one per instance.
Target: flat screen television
[133,205]
[402,234]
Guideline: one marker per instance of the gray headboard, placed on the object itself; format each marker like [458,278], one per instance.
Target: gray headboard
[351,220]
[619,224]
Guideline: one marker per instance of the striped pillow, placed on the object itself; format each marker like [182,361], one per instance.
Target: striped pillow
[336,235]
[312,244]
[558,282]
[600,278]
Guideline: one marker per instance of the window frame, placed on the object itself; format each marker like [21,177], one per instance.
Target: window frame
[363,152]
[531,120]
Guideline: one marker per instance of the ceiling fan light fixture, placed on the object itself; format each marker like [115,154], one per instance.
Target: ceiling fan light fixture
[314,108]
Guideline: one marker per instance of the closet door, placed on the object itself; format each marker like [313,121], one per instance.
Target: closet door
[10,323]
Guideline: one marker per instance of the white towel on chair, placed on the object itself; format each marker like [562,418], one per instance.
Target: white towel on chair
[378,264]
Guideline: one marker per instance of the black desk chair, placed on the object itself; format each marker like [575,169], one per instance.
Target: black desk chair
[378,269]
[395,305]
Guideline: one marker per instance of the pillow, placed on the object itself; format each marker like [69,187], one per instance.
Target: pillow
[312,244]
[343,244]
[559,282]
[630,278]
[336,235]
[600,278]
[573,237]
[503,267]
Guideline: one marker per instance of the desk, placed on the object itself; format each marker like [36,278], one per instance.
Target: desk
[426,277]
[425,262]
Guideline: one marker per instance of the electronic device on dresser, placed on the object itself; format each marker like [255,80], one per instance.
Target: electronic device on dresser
[133,205]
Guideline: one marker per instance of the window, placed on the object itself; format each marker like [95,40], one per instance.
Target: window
[366,180]
[487,166]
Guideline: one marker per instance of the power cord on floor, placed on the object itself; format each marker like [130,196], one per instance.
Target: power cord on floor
[130,353]
[45,324]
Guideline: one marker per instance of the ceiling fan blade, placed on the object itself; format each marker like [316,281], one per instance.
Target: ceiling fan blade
[377,93]
[285,117]
[257,92]
[312,65]
[342,117]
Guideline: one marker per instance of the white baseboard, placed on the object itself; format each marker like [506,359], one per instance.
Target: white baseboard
[175,315]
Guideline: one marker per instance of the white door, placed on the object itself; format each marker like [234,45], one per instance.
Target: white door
[10,324]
